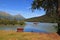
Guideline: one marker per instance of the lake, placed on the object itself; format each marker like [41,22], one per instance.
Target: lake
[33,27]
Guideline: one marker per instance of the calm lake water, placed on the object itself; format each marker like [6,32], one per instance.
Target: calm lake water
[33,26]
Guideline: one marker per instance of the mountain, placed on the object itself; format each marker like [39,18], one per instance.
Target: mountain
[44,18]
[19,17]
[5,15]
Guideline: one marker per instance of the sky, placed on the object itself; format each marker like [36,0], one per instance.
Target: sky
[22,7]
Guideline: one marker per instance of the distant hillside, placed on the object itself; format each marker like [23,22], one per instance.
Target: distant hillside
[19,17]
[5,15]
[45,18]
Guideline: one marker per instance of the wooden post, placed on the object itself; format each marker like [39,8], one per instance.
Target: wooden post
[58,14]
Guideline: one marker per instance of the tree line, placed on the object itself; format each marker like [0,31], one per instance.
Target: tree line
[11,22]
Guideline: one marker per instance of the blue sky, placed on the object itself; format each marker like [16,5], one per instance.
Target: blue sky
[21,7]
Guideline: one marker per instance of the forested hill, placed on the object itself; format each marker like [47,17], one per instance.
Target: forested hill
[44,18]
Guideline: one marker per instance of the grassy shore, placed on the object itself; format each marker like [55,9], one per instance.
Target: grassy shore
[12,35]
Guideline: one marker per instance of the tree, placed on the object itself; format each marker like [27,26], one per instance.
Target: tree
[50,6]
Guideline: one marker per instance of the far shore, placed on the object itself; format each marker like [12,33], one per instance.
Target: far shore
[12,25]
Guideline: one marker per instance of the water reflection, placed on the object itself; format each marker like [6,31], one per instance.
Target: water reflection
[10,27]
[33,27]
[40,27]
